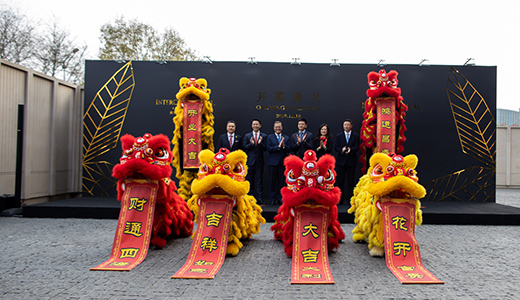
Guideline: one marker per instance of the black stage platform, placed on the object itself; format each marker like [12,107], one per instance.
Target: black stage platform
[433,212]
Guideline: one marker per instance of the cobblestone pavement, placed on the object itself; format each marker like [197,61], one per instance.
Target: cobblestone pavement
[50,259]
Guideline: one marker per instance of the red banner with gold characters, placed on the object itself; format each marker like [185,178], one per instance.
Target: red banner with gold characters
[310,259]
[191,134]
[208,249]
[386,125]
[402,253]
[134,227]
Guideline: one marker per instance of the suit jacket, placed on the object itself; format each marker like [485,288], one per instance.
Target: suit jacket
[255,153]
[276,155]
[223,142]
[302,147]
[330,146]
[354,143]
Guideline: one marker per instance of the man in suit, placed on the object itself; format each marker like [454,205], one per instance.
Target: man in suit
[301,140]
[229,140]
[346,145]
[278,150]
[254,145]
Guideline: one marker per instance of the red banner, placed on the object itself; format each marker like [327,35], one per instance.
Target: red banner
[208,249]
[191,134]
[310,259]
[402,253]
[134,227]
[386,125]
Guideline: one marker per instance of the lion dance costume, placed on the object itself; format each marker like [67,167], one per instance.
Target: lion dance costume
[222,175]
[382,86]
[390,177]
[149,157]
[193,116]
[309,182]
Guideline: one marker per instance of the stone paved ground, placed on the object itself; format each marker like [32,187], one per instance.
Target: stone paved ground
[50,259]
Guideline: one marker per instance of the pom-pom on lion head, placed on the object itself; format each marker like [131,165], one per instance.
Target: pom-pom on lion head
[394,176]
[310,181]
[383,84]
[222,170]
[144,157]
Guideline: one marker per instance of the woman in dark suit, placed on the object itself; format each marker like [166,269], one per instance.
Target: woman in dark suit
[323,143]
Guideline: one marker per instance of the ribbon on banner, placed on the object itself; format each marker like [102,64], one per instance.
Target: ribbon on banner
[208,249]
[402,253]
[310,259]
[134,227]
[192,134]
[386,125]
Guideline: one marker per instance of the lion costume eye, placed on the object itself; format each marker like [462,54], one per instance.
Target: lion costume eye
[204,169]
[377,171]
[238,169]
[330,176]
[160,153]
[291,177]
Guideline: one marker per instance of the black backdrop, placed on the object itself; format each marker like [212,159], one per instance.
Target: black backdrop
[320,93]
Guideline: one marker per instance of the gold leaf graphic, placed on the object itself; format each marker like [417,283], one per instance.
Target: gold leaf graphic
[95,178]
[102,123]
[463,185]
[475,123]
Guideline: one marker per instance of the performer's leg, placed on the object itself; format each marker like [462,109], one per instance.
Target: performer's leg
[349,192]
[340,181]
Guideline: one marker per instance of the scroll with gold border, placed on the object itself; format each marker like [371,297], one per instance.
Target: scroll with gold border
[402,253]
[192,134]
[310,259]
[134,227]
[386,125]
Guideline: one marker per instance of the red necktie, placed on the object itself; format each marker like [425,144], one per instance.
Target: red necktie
[230,141]
[256,138]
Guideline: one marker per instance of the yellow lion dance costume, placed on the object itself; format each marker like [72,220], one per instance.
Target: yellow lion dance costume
[388,176]
[222,175]
[195,90]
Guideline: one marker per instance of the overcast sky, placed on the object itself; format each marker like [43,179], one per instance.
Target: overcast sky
[446,32]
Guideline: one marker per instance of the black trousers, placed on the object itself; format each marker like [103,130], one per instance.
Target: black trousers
[255,175]
[348,173]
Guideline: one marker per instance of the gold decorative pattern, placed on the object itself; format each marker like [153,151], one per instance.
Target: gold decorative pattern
[102,123]
[476,128]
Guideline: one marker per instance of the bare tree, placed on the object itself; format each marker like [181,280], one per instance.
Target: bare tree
[16,36]
[57,53]
[133,40]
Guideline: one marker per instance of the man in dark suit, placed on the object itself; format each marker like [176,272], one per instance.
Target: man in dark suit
[229,140]
[276,146]
[301,140]
[254,145]
[346,145]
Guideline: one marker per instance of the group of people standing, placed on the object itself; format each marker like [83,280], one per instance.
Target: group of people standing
[278,145]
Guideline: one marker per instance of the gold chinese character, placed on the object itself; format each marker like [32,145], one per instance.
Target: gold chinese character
[137,204]
[310,256]
[310,229]
[311,275]
[202,263]
[401,248]
[129,252]
[386,111]
[316,97]
[279,97]
[192,127]
[192,155]
[414,275]
[406,268]
[198,270]
[133,228]
[298,97]
[385,151]
[119,264]
[192,112]
[310,269]
[213,219]
[399,222]
[192,141]
[261,96]
[386,124]
[385,138]
[209,244]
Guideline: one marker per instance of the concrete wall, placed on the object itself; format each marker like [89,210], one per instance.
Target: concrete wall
[508,156]
[52,133]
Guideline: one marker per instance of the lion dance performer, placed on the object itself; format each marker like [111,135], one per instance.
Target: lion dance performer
[307,221]
[151,210]
[383,125]
[193,130]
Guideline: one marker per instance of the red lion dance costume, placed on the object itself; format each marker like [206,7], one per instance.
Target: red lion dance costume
[382,85]
[149,157]
[309,181]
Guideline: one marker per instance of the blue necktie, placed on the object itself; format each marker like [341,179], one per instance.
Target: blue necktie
[279,138]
